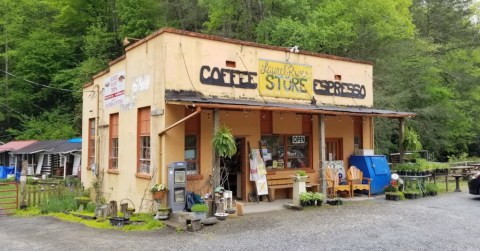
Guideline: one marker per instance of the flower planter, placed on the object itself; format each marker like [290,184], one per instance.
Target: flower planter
[118,221]
[200,215]
[388,196]
[158,195]
[305,203]
[395,197]
[319,203]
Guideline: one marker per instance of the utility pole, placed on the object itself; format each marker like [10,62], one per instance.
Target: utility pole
[6,75]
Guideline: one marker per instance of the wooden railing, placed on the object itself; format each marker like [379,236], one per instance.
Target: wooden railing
[8,198]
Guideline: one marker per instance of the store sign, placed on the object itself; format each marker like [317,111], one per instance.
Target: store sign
[298,139]
[334,88]
[285,80]
[280,80]
[114,90]
[227,77]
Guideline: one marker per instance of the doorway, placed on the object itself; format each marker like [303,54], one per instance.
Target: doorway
[233,170]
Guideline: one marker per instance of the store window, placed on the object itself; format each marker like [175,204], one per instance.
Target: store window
[286,151]
[191,154]
[143,140]
[113,161]
[91,142]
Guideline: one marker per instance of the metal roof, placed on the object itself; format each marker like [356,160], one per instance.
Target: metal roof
[39,146]
[66,147]
[190,97]
[14,145]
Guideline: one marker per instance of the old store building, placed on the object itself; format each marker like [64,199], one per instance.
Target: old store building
[158,104]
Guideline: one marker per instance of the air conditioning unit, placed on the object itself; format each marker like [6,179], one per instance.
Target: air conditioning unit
[364,152]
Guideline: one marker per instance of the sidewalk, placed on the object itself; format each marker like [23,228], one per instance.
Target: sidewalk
[265,206]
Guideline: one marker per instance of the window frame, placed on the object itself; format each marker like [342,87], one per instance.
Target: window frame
[285,145]
[113,141]
[91,143]
[143,133]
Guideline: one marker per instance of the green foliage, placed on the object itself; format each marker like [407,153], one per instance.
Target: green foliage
[301,173]
[411,141]
[431,187]
[200,208]
[59,203]
[425,56]
[318,196]
[224,142]
[306,196]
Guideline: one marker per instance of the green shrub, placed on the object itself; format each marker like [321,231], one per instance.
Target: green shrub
[318,196]
[59,203]
[306,196]
[431,187]
[90,207]
[200,208]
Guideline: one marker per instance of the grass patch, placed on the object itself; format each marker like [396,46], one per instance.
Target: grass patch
[150,223]
[28,212]
[101,223]
[451,185]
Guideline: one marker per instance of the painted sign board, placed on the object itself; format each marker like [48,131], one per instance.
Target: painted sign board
[114,90]
[286,80]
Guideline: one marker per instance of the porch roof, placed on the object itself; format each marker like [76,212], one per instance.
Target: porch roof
[15,145]
[194,98]
[66,147]
[39,146]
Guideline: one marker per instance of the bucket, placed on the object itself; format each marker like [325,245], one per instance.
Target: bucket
[239,208]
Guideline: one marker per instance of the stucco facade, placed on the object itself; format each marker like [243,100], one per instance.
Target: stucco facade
[262,86]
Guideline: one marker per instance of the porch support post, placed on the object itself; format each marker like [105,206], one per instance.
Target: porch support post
[401,133]
[321,132]
[215,158]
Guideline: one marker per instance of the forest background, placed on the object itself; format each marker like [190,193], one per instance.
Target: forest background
[426,56]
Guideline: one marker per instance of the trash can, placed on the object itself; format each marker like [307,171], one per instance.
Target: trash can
[374,167]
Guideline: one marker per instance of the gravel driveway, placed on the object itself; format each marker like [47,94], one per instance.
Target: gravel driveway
[446,222]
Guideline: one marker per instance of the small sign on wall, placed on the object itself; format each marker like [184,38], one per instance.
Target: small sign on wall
[298,139]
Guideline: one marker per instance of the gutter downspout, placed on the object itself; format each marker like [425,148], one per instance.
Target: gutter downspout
[180,121]
[97,134]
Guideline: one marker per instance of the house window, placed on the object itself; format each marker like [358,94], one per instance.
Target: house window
[192,142]
[286,151]
[143,140]
[91,142]
[113,161]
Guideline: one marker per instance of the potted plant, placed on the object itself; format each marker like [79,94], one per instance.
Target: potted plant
[224,146]
[305,199]
[391,190]
[318,198]
[158,191]
[200,210]
[300,175]
[431,189]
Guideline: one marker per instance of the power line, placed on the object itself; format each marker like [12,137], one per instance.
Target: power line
[37,84]
[10,108]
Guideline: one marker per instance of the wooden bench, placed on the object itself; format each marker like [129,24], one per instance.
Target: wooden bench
[283,180]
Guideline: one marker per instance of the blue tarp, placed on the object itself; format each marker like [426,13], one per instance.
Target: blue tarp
[4,170]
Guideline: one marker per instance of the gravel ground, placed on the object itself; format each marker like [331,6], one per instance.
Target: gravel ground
[445,222]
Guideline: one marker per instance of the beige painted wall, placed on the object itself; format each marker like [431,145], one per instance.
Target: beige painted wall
[186,55]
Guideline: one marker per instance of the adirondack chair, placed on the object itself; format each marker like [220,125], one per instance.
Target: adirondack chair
[333,183]
[355,178]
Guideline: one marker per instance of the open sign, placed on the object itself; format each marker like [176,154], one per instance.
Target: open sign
[298,139]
